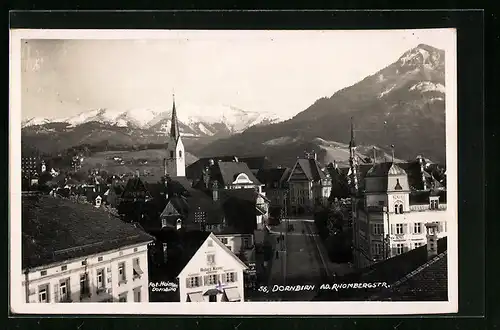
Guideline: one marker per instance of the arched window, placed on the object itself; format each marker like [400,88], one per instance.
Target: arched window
[396,209]
[180,153]
[400,208]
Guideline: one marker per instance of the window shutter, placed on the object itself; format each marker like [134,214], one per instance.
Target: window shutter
[235,276]
[393,229]
[188,283]
[56,293]
[205,280]
[224,277]
[440,226]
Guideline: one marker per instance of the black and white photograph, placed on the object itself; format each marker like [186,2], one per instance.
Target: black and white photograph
[276,172]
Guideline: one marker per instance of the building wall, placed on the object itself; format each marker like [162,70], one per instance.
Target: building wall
[235,242]
[224,262]
[73,269]
[387,223]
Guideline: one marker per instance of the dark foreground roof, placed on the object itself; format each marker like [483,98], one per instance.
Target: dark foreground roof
[56,230]
[392,271]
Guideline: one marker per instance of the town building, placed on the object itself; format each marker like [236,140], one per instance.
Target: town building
[308,185]
[275,184]
[75,253]
[389,214]
[212,274]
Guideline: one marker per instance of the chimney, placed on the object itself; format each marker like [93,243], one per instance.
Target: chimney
[431,239]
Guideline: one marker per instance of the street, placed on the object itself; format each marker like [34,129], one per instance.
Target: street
[302,260]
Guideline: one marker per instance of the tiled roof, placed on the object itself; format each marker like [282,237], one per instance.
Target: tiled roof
[55,230]
[389,271]
[272,175]
[427,283]
[194,170]
[226,172]
[385,169]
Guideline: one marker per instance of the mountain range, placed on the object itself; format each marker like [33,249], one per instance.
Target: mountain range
[403,105]
[139,126]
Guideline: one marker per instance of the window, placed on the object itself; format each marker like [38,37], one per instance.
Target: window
[230,277]
[377,249]
[223,240]
[210,259]
[211,279]
[64,287]
[399,248]
[122,277]
[43,294]
[417,228]
[193,282]
[210,243]
[399,229]
[99,259]
[84,262]
[84,288]
[171,154]
[398,208]
[418,244]
[180,153]
[63,268]
[100,279]
[137,272]
[122,297]
[137,294]
[247,242]
[378,229]
[43,273]
[163,223]
[229,247]
[434,204]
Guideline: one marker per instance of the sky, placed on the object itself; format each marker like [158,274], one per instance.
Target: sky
[282,72]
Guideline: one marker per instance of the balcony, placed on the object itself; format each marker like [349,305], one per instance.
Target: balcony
[426,207]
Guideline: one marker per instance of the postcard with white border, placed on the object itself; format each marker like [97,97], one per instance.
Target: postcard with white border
[275,172]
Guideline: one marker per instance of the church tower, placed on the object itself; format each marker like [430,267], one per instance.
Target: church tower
[175,164]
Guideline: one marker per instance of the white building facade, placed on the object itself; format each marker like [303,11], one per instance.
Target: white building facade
[385,223]
[214,274]
[119,275]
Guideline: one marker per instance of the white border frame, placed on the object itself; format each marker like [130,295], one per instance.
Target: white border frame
[245,308]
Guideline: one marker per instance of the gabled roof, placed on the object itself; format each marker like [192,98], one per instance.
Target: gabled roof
[214,238]
[272,175]
[55,230]
[311,169]
[256,163]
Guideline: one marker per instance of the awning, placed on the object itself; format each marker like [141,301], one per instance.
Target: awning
[232,294]
[137,269]
[195,297]
[211,292]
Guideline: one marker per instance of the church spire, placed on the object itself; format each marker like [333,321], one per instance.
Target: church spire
[174,128]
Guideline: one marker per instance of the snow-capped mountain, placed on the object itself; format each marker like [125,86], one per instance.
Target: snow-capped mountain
[194,120]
